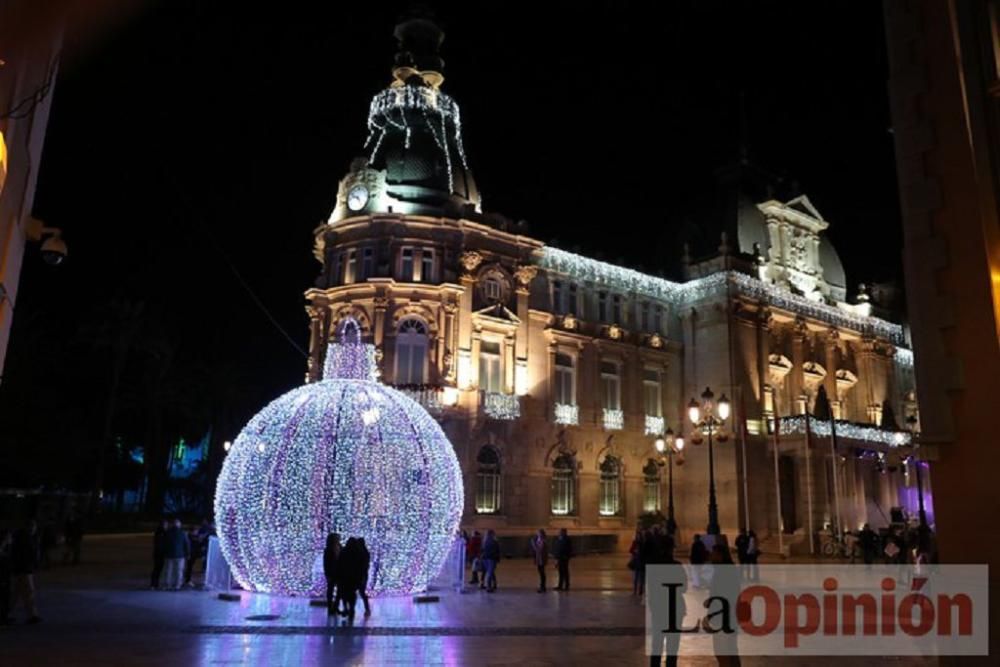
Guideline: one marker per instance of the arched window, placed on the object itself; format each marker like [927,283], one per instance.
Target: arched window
[488,481]
[563,487]
[651,487]
[610,486]
[411,352]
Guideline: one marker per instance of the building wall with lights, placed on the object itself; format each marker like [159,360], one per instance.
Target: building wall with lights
[553,374]
[27,77]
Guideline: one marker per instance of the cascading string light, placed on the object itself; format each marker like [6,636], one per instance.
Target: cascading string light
[346,455]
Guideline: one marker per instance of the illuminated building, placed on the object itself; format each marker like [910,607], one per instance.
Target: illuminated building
[553,373]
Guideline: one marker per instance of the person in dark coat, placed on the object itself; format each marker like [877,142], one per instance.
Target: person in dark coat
[349,575]
[23,562]
[725,583]
[635,562]
[562,550]
[540,549]
[473,551]
[5,575]
[869,544]
[699,556]
[491,557]
[176,550]
[159,547]
[331,561]
[365,559]
[73,534]
[669,645]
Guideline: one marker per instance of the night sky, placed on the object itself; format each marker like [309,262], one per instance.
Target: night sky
[193,148]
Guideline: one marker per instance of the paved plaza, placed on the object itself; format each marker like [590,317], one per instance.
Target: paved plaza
[100,613]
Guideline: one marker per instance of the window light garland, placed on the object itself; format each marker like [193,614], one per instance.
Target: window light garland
[346,455]
[614,420]
[655,425]
[849,430]
[566,414]
[504,407]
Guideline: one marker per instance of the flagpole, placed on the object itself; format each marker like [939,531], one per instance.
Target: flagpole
[777,478]
[809,486]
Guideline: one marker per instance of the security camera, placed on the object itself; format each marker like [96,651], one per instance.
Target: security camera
[54,250]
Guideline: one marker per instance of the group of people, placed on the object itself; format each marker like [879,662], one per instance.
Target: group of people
[19,558]
[175,552]
[346,568]
[483,556]
[652,546]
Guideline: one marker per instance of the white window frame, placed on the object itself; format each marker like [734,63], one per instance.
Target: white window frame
[563,491]
[610,498]
[488,484]
[351,267]
[611,385]
[428,266]
[405,275]
[493,366]
[653,408]
[652,498]
[561,382]
[409,340]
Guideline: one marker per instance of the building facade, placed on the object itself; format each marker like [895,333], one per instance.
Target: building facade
[29,60]
[553,374]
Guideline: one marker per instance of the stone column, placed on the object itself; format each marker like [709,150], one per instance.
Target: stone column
[314,364]
[524,275]
[832,364]
[796,382]
[467,357]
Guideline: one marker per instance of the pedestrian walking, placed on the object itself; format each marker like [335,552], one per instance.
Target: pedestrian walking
[331,559]
[669,646]
[473,550]
[491,558]
[176,550]
[365,559]
[159,548]
[742,540]
[753,553]
[23,562]
[541,550]
[349,576]
[562,550]
[725,583]
[636,564]
[698,558]
[869,544]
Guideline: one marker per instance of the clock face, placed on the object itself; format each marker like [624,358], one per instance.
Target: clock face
[357,197]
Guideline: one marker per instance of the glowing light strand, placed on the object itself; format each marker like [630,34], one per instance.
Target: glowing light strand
[848,430]
[346,455]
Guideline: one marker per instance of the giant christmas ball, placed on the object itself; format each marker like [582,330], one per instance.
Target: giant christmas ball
[345,455]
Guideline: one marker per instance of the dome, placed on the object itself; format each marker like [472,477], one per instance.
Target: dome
[345,455]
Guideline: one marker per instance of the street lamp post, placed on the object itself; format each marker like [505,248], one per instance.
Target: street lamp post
[667,447]
[708,418]
[911,422]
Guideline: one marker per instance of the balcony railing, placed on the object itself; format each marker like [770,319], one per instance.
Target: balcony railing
[502,407]
[429,396]
[614,420]
[654,425]
[565,413]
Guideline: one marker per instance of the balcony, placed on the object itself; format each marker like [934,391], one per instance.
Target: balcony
[502,407]
[614,420]
[433,398]
[566,414]
[654,425]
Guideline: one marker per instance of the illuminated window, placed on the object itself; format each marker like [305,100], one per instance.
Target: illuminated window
[350,269]
[406,265]
[651,392]
[565,389]
[488,481]
[489,367]
[563,483]
[427,265]
[610,486]
[651,487]
[493,289]
[411,352]
[611,386]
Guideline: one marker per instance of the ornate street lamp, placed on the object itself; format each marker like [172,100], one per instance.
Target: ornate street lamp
[667,447]
[708,418]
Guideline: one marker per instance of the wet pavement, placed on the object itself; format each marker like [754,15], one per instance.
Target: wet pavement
[99,613]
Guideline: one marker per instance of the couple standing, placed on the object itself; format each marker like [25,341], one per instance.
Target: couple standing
[562,550]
